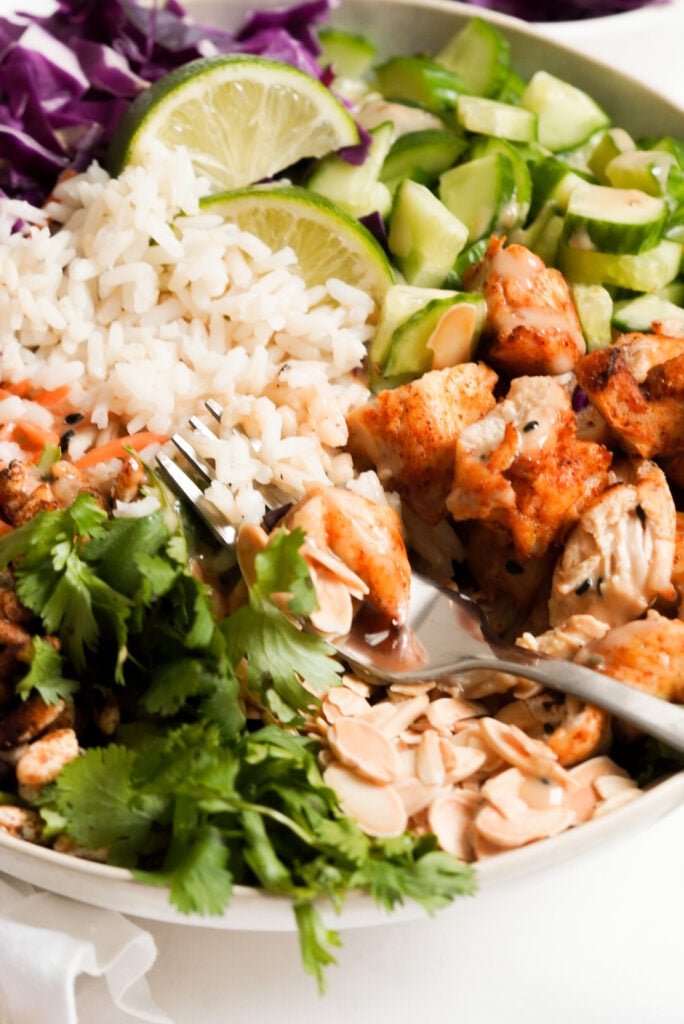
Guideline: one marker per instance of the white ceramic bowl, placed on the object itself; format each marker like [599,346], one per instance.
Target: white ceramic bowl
[408,27]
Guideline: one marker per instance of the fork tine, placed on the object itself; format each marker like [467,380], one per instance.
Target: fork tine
[196,461]
[186,488]
[214,408]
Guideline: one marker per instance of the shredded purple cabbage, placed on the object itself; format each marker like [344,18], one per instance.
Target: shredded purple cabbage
[66,79]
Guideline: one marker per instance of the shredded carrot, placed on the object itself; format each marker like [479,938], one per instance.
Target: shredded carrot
[52,398]
[5,528]
[116,449]
[21,388]
[33,438]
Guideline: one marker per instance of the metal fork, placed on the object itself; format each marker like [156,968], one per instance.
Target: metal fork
[446,634]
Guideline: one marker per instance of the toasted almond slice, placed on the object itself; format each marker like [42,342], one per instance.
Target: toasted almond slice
[335,609]
[411,689]
[618,799]
[364,749]
[460,762]
[405,713]
[429,761]
[340,700]
[608,785]
[503,792]
[415,795]
[523,828]
[517,748]
[378,810]
[581,795]
[450,817]
[444,712]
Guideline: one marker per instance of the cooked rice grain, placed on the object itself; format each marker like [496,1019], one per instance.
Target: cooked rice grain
[148,306]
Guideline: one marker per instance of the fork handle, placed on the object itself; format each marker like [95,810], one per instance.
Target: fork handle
[653,715]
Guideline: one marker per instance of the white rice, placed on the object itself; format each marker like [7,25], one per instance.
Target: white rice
[148,306]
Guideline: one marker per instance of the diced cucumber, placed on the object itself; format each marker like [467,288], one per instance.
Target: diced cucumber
[491,117]
[521,171]
[552,181]
[641,313]
[430,152]
[594,305]
[481,193]
[424,236]
[350,54]
[639,272]
[613,219]
[357,189]
[543,234]
[401,301]
[480,55]
[611,143]
[512,89]
[645,169]
[567,116]
[442,333]
[420,81]
[470,257]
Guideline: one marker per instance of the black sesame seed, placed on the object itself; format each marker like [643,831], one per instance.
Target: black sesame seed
[532,425]
[74,417]
[514,568]
[641,513]
[65,439]
[548,729]
[583,587]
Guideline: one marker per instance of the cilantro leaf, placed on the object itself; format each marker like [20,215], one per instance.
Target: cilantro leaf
[96,796]
[281,569]
[315,941]
[45,675]
[196,872]
[280,655]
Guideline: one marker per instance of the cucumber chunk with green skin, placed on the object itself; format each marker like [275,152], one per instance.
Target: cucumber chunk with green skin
[594,305]
[642,313]
[350,54]
[357,189]
[480,55]
[442,333]
[567,116]
[521,170]
[639,272]
[553,181]
[470,257]
[612,143]
[542,235]
[400,302]
[512,89]
[491,117]
[481,193]
[430,151]
[420,81]
[424,237]
[613,219]
[645,169]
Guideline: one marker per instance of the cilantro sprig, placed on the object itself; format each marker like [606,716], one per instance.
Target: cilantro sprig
[187,796]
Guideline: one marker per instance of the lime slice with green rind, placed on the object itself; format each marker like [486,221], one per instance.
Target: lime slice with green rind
[242,118]
[328,242]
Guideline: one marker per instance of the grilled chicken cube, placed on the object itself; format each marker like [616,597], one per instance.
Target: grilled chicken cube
[409,433]
[522,470]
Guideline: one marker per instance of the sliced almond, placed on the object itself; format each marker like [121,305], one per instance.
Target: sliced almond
[363,748]
[429,761]
[461,762]
[523,828]
[340,700]
[517,748]
[378,810]
[415,795]
[450,817]
[405,713]
[618,799]
[444,712]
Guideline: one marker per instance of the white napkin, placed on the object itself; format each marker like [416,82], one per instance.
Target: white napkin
[65,962]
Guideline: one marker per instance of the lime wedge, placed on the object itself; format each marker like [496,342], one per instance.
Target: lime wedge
[242,118]
[328,241]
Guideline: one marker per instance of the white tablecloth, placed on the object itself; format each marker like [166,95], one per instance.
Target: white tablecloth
[594,942]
